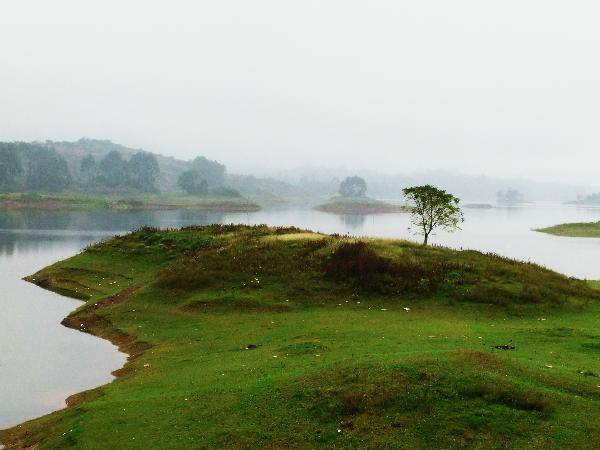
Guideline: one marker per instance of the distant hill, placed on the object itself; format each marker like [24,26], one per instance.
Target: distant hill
[324,182]
[74,152]
[263,190]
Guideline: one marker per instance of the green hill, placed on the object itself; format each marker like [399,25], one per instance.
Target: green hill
[257,337]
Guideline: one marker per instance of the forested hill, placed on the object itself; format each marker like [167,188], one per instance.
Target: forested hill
[75,152]
[101,166]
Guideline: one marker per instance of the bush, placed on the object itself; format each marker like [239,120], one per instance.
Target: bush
[526,400]
[357,263]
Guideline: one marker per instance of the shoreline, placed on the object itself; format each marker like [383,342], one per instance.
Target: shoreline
[574,230]
[85,320]
[219,329]
[58,202]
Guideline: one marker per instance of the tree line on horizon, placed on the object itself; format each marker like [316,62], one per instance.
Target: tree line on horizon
[30,167]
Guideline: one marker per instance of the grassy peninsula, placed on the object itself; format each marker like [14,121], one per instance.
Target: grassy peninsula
[582,229]
[359,205]
[75,201]
[257,337]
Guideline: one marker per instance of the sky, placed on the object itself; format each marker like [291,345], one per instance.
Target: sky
[497,88]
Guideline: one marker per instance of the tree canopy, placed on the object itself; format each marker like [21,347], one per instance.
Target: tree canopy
[210,171]
[46,170]
[353,187]
[143,171]
[103,167]
[192,183]
[113,171]
[11,168]
[88,164]
[433,208]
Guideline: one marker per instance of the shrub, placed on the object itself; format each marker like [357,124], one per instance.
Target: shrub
[357,263]
[526,400]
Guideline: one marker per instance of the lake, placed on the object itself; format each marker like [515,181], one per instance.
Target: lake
[42,362]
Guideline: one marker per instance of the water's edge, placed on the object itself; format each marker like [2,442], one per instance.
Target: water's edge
[124,343]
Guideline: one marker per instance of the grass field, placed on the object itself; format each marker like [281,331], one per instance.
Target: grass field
[75,201]
[591,229]
[254,337]
[359,205]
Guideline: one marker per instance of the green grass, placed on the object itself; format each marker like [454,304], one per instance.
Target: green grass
[358,205]
[574,229]
[253,337]
[70,201]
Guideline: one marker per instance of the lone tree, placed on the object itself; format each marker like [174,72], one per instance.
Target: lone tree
[433,208]
[353,187]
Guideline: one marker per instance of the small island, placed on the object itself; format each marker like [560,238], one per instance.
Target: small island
[580,229]
[352,199]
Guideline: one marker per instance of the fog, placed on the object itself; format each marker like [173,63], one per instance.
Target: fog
[504,89]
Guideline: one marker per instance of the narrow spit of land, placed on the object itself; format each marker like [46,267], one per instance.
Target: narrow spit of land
[70,201]
[252,337]
[581,229]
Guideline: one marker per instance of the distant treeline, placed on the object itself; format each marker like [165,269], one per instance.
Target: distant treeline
[592,199]
[113,173]
[32,167]
[40,167]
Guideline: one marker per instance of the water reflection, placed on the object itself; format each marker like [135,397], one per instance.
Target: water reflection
[100,220]
[353,222]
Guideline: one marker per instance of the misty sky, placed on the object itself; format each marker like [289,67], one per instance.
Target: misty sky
[501,88]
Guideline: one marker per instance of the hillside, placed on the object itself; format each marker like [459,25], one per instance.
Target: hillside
[74,152]
[164,181]
[257,337]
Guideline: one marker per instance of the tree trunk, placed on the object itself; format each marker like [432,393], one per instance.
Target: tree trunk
[426,238]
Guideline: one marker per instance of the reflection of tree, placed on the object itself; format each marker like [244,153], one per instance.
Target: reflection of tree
[33,240]
[35,220]
[353,221]
[8,242]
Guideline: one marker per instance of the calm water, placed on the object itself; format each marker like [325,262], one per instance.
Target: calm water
[42,363]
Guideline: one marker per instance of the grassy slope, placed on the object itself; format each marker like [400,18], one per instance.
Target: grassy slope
[358,205]
[338,360]
[574,229]
[140,202]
